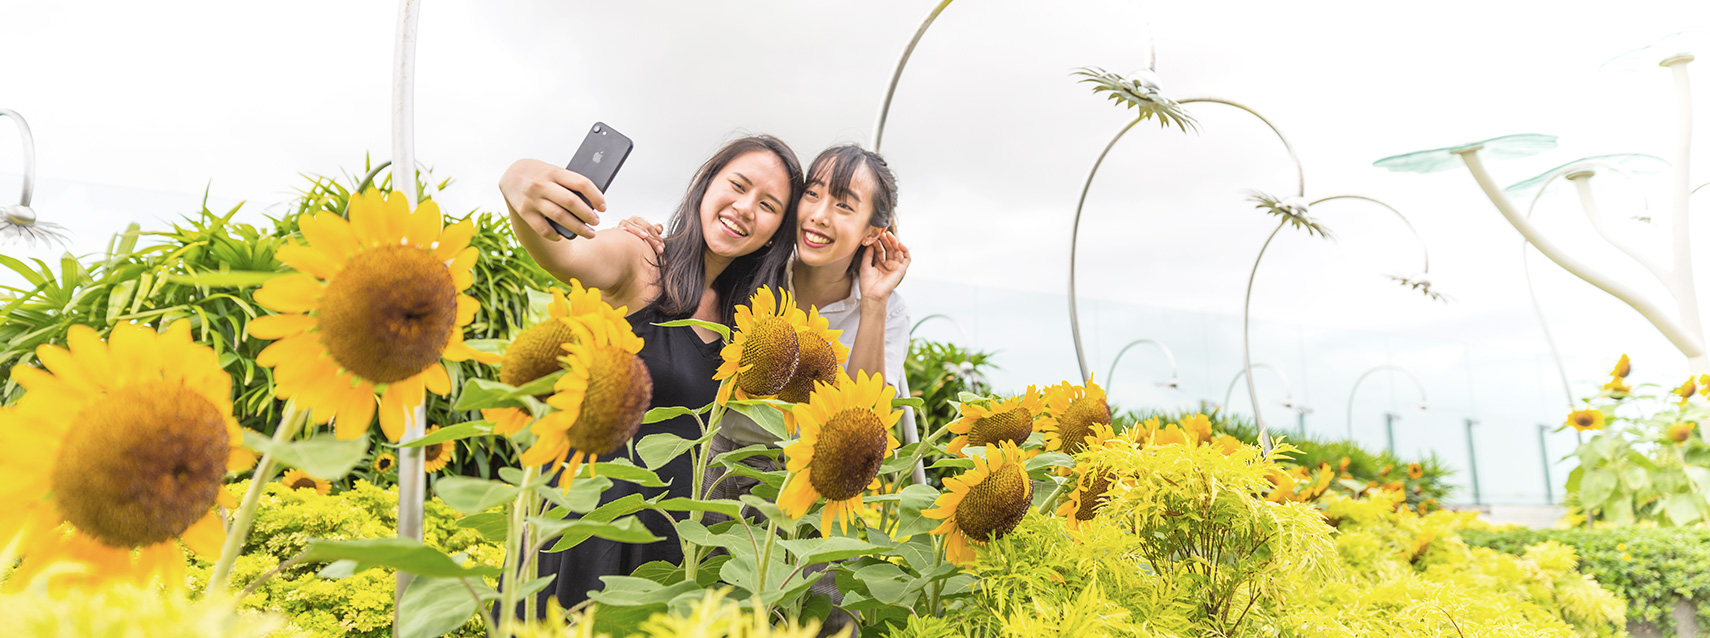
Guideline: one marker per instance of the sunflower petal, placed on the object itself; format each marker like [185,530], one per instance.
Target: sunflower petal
[205,536]
[330,233]
[318,263]
[437,380]
[421,228]
[275,327]
[454,239]
[291,293]
[355,413]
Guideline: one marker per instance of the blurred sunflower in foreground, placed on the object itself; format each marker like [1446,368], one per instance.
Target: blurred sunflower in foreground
[374,306]
[762,355]
[983,503]
[118,448]
[845,437]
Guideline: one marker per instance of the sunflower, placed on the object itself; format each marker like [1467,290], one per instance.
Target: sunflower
[847,428]
[119,445]
[1070,413]
[1083,504]
[983,503]
[1623,367]
[1681,431]
[1415,471]
[535,352]
[385,463]
[1586,420]
[1008,419]
[437,455]
[1617,387]
[296,479]
[762,357]
[1282,484]
[374,306]
[1199,426]
[601,399]
[821,358]
[1227,444]
[1686,390]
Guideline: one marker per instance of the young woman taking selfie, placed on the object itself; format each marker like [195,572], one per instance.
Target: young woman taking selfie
[730,235]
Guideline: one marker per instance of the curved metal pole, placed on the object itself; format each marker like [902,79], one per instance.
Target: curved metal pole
[890,91]
[1299,169]
[1388,366]
[1074,238]
[1288,388]
[945,317]
[1246,349]
[412,480]
[1424,252]
[29,142]
[1168,356]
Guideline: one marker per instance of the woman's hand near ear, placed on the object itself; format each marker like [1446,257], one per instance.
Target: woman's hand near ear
[883,267]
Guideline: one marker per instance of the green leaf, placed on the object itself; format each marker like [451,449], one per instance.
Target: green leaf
[910,521]
[438,606]
[473,495]
[322,456]
[917,403]
[629,591]
[1635,478]
[629,504]
[626,530]
[490,525]
[397,553]
[537,387]
[658,449]
[486,394]
[1700,478]
[1573,479]
[234,279]
[1596,487]
[765,413]
[825,550]
[583,495]
[954,463]
[1050,459]
[1633,456]
[736,456]
[721,329]
[770,510]
[658,414]
[723,506]
[1683,509]
[623,470]
[465,430]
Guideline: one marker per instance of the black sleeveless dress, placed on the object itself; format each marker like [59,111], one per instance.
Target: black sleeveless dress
[682,367]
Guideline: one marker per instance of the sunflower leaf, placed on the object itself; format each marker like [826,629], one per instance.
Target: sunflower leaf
[623,470]
[625,530]
[659,448]
[230,279]
[825,550]
[766,413]
[1050,459]
[486,394]
[917,403]
[322,456]
[656,415]
[473,495]
[460,431]
[537,387]
[490,525]
[723,506]
[583,496]
[397,553]
[721,329]
[437,606]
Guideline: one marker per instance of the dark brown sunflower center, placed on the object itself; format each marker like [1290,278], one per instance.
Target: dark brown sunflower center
[1092,496]
[619,392]
[384,464]
[1078,421]
[1583,419]
[142,464]
[818,362]
[769,357]
[535,352]
[995,506]
[389,313]
[303,482]
[1013,425]
[434,452]
[847,456]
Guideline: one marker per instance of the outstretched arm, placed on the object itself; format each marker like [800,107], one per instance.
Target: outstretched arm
[613,260]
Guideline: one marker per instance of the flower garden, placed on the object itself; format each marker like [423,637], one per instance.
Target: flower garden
[370,417]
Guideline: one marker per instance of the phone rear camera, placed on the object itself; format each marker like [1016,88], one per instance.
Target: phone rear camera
[597,128]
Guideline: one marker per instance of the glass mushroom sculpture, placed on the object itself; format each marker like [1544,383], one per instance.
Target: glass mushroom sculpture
[1683,327]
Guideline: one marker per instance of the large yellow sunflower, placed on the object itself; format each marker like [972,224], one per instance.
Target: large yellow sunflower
[1009,419]
[298,479]
[845,437]
[122,447]
[601,399]
[983,503]
[536,352]
[821,358]
[1071,411]
[763,354]
[375,305]
[1082,505]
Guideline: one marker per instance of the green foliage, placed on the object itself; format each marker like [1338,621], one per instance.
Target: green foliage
[939,372]
[1632,471]
[712,615]
[356,605]
[170,275]
[1365,469]
[1650,567]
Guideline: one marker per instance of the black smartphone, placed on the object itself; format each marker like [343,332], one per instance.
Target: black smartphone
[598,158]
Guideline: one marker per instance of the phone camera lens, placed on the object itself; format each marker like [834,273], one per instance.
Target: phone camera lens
[596,128]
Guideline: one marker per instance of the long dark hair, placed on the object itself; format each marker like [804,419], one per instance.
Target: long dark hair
[683,266]
[836,167]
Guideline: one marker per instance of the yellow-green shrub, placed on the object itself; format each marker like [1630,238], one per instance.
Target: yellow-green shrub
[128,610]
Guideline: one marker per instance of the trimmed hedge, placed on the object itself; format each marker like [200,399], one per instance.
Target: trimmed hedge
[1650,567]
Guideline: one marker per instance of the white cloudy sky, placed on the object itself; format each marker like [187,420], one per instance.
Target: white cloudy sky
[137,107]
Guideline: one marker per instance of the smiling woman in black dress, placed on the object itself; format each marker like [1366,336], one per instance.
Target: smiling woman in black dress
[718,251]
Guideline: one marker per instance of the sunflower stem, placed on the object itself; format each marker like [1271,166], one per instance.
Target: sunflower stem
[238,534]
[766,555]
[699,458]
[1050,505]
[513,555]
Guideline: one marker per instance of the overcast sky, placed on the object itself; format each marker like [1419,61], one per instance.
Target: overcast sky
[137,107]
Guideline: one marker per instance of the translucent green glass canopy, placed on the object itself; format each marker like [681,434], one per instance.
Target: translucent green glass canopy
[1442,159]
[1637,163]
[1647,58]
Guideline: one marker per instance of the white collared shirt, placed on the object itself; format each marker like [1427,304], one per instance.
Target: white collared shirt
[844,315]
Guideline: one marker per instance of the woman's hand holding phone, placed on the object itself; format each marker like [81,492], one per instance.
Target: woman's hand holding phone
[537,191]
